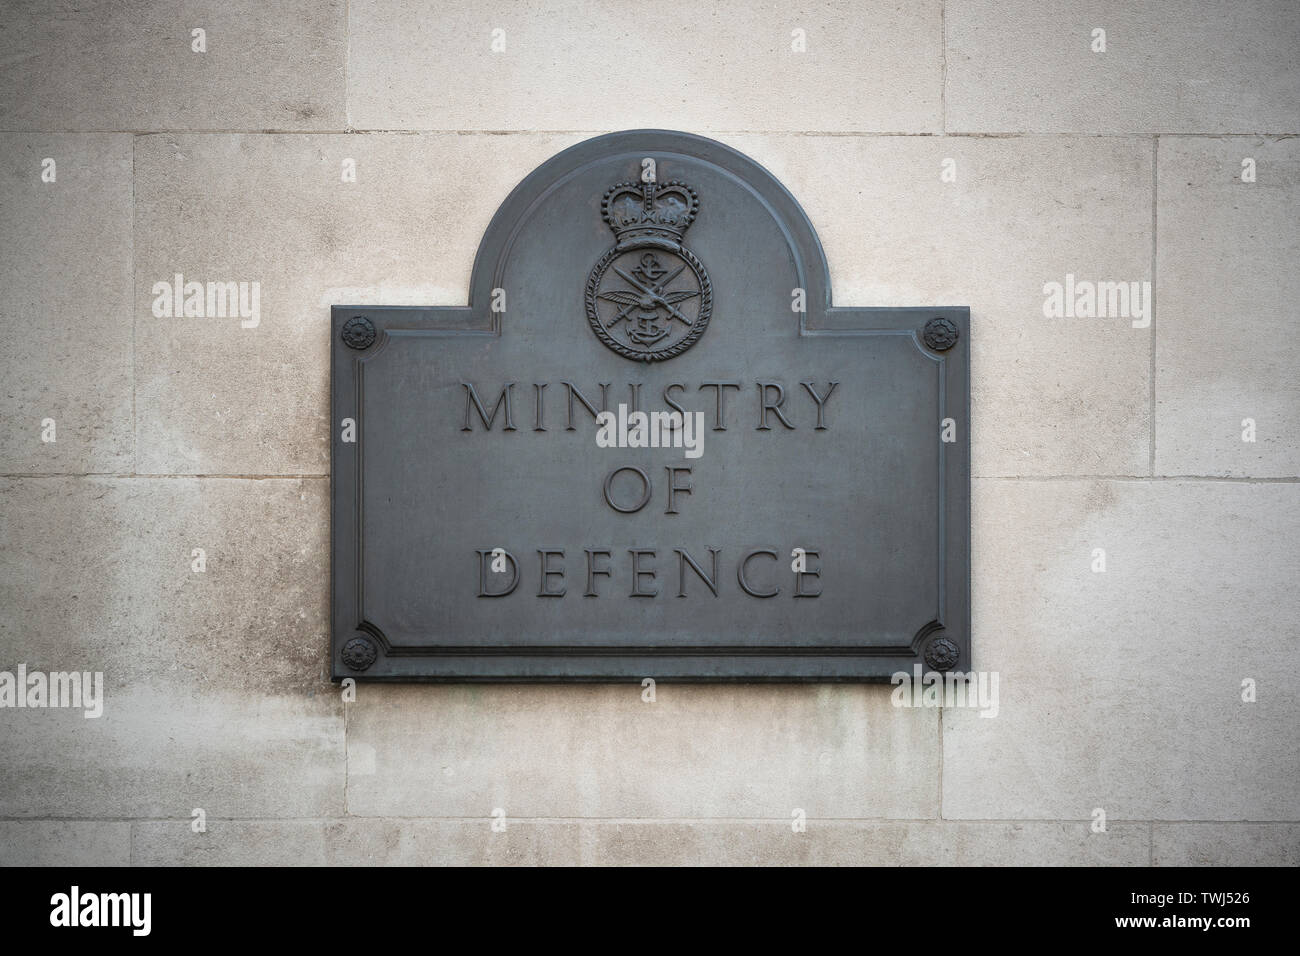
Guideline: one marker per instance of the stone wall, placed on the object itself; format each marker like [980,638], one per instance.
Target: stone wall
[1121,691]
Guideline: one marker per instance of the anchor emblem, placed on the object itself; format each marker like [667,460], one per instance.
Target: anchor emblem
[647,300]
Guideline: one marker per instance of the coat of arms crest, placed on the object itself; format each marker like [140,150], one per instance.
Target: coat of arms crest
[649,298]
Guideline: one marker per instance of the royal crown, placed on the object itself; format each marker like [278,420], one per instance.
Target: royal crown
[650,213]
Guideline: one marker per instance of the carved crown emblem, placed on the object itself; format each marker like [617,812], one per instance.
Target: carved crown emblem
[650,210]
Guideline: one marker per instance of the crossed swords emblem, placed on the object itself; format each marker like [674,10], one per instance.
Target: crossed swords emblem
[648,300]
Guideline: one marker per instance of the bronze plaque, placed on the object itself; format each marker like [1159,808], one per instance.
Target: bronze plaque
[650,446]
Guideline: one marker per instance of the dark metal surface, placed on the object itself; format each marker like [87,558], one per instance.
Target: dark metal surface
[475,447]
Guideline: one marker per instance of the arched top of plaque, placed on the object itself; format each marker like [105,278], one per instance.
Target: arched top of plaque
[662,162]
[647,243]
